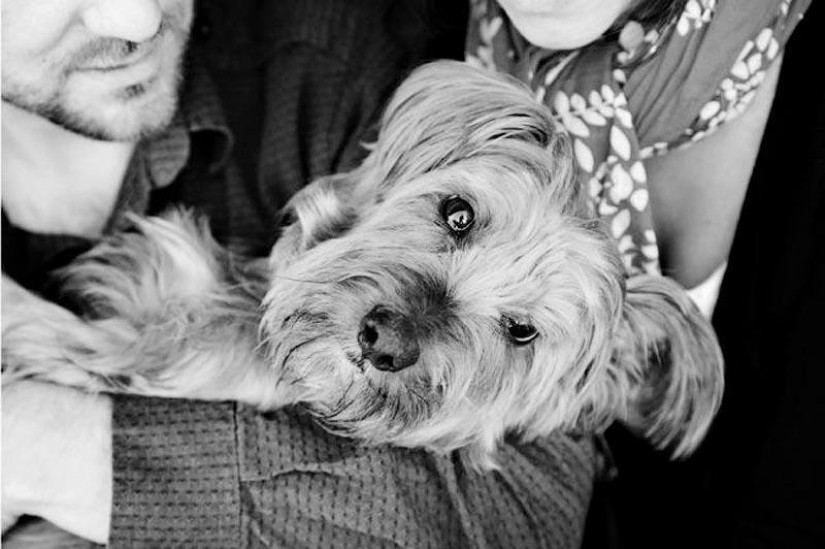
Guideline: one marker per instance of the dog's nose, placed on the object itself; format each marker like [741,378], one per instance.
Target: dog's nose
[388,340]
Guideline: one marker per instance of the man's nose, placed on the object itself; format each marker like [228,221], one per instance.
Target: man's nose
[132,20]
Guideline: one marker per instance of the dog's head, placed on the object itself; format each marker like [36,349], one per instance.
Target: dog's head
[453,288]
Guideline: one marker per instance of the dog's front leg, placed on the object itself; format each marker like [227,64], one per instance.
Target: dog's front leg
[44,341]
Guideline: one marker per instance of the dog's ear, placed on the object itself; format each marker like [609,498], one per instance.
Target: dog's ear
[320,211]
[666,366]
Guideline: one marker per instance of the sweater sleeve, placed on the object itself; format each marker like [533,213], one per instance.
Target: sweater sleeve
[175,474]
[208,475]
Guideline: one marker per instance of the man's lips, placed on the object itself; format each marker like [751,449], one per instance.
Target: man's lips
[139,66]
[110,63]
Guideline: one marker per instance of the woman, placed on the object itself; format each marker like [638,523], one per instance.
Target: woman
[665,101]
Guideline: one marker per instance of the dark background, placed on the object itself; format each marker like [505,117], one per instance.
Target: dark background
[759,478]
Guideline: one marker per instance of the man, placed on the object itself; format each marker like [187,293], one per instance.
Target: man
[112,106]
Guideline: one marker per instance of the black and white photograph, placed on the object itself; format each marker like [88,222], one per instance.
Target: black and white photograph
[412,274]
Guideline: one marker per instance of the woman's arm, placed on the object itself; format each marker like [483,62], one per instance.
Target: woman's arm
[697,193]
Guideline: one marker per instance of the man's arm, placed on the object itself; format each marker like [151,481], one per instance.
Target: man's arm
[57,458]
[175,482]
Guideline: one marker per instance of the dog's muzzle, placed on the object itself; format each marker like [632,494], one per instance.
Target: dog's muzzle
[388,340]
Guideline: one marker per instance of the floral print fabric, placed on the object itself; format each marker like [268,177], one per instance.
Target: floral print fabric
[641,92]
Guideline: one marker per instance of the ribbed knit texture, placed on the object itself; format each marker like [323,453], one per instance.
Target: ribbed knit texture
[189,455]
[207,477]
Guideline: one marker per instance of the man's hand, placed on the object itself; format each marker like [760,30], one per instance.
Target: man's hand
[57,458]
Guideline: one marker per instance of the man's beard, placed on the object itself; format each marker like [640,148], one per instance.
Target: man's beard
[129,113]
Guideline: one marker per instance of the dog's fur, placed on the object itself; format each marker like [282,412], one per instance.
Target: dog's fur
[371,260]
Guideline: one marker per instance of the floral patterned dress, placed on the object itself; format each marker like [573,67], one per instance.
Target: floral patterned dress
[640,93]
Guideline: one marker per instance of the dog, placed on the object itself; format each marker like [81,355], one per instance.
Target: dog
[452,289]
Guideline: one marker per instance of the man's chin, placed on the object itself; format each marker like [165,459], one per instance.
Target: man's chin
[132,115]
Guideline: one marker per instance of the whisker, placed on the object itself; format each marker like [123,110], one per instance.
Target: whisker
[296,347]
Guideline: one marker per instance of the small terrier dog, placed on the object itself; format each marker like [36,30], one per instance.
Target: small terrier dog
[453,288]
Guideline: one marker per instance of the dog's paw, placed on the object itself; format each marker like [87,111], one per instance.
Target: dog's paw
[42,340]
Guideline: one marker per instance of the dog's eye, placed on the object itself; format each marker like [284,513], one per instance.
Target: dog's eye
[457,214]
[519,333]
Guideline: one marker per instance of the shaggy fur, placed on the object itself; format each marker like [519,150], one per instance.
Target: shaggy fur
[452,289]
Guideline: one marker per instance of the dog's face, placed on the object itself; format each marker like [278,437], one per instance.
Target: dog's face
[461,303]
[452,288]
